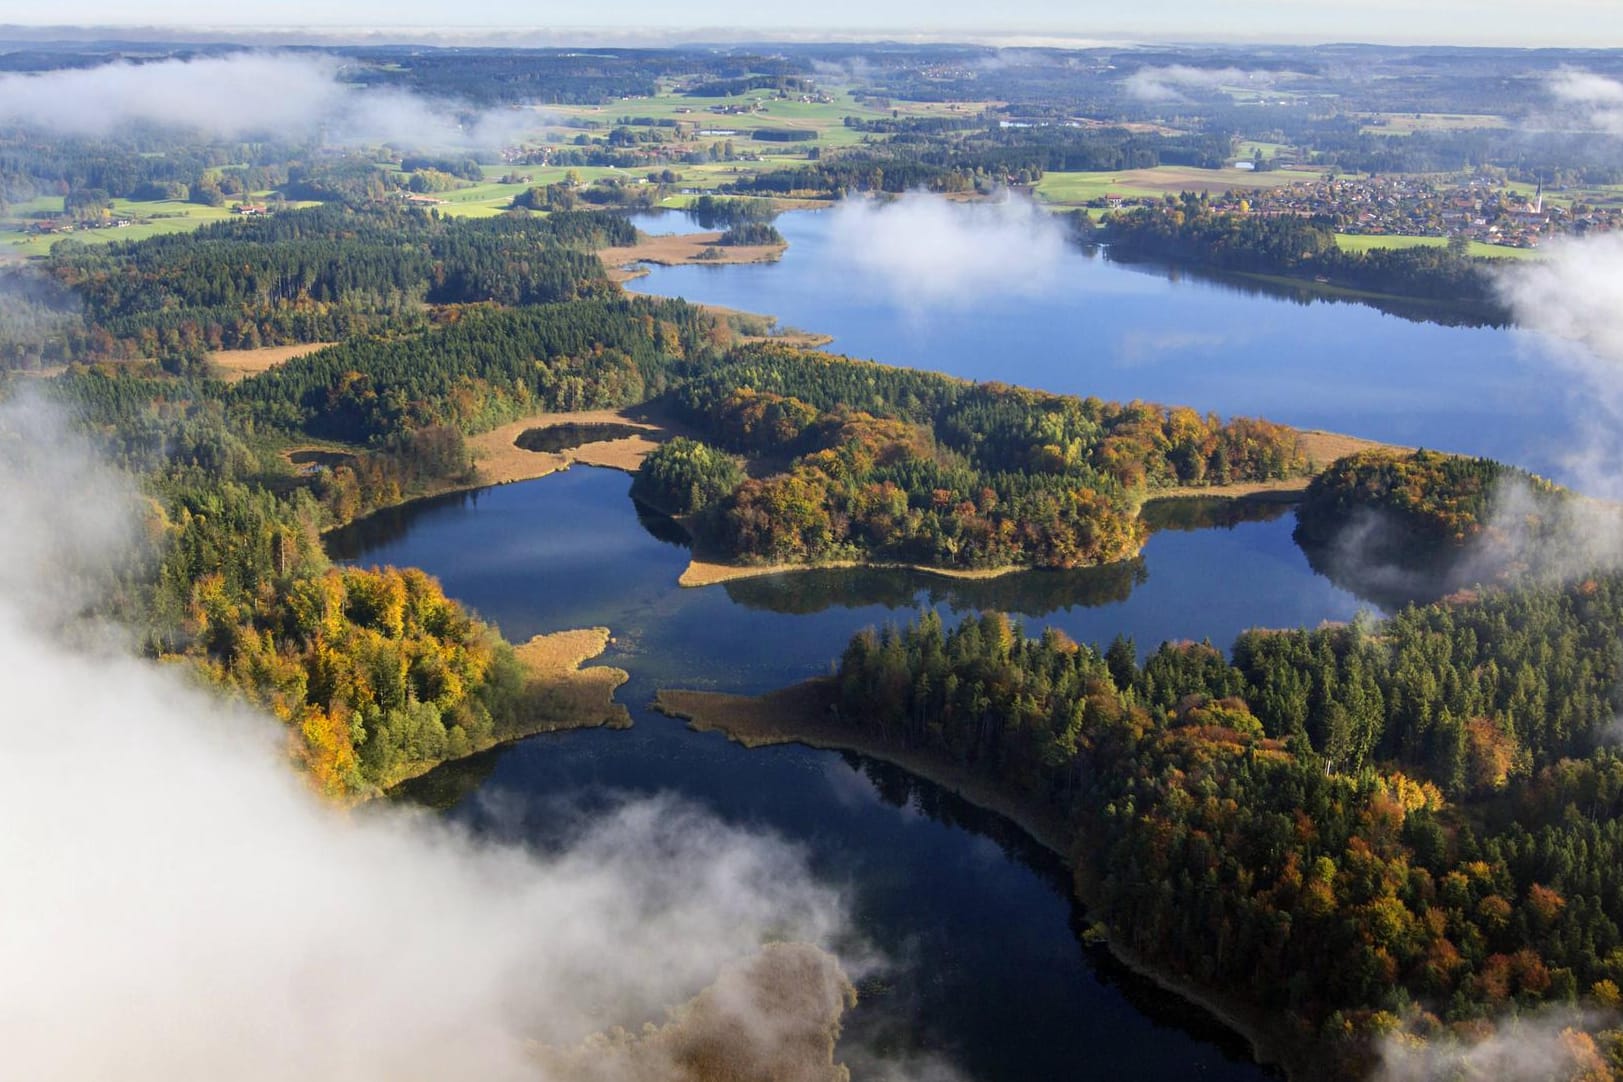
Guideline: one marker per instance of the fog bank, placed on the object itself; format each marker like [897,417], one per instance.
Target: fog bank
[179,906]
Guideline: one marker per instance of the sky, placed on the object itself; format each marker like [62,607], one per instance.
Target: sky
[1595,23]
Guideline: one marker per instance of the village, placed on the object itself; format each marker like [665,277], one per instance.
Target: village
[1472,206]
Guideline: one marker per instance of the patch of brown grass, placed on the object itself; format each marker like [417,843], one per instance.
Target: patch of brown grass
[683,250]
[562,694]
[1318,447]
[709,573]
[500,461]
[804,714]
[239,364]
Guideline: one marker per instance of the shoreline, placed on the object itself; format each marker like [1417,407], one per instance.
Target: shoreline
[562,694]
[499,461]
[1319,447]
[683,250]
[701,573]
[800,714]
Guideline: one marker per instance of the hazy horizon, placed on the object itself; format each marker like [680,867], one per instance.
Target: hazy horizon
[1557,24]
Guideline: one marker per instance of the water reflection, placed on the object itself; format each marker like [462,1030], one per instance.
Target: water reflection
[1189,513]
[1027,593]
[1413,309]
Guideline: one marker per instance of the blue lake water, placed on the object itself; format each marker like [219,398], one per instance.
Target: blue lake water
[1093,327]
[991,972]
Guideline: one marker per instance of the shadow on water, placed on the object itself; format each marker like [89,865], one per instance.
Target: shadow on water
[660,526]
[897,788]
[1027,593]
[391,524]
[1187,514]
[1303,292]
[566,437]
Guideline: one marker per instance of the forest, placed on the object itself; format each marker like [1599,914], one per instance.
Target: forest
[901,465]
[1425,525]
[320,274]
[1186,230]
[1353,831]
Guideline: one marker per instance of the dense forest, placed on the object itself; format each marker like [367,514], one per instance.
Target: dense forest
[376,673]
[313,275]
[916,467]
[1400,527]
[1353,832]
[1186,230]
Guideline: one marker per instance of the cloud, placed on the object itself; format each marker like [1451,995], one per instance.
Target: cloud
[178,905]
[1569,306]
[1175,82]
[35,311]
[1588,101]
[922,250]
[257,94]
[1549,1044]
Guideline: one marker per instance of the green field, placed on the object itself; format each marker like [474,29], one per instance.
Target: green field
[1363,243]
[148,219]
[827,119]
[1076,189]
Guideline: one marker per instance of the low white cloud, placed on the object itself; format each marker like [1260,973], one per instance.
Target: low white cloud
[1175,82]
[922,250]
[179,907]
[1550,1044]
[1587,101]
[1569,306]
[284,95]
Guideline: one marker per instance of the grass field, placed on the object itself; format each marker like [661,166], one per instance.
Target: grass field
[827,119]
[1075,189]
[1600,195]
[1409,123]
[1362,243]
[149,219]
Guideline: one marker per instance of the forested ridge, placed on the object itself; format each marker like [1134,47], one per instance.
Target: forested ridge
[1418,525]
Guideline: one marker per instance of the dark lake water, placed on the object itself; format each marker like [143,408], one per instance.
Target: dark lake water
[991,972]
[992,975]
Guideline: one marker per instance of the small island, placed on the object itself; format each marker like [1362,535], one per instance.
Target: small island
[820,460]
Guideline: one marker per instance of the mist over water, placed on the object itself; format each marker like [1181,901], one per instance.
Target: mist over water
[179,906]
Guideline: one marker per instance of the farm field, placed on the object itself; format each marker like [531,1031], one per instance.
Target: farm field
[1409,123]
[826,119]
[1075,189]
[148,219]
[1350,242]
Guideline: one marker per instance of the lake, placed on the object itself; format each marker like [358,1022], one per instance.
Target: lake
[1120,332]
[992,974]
